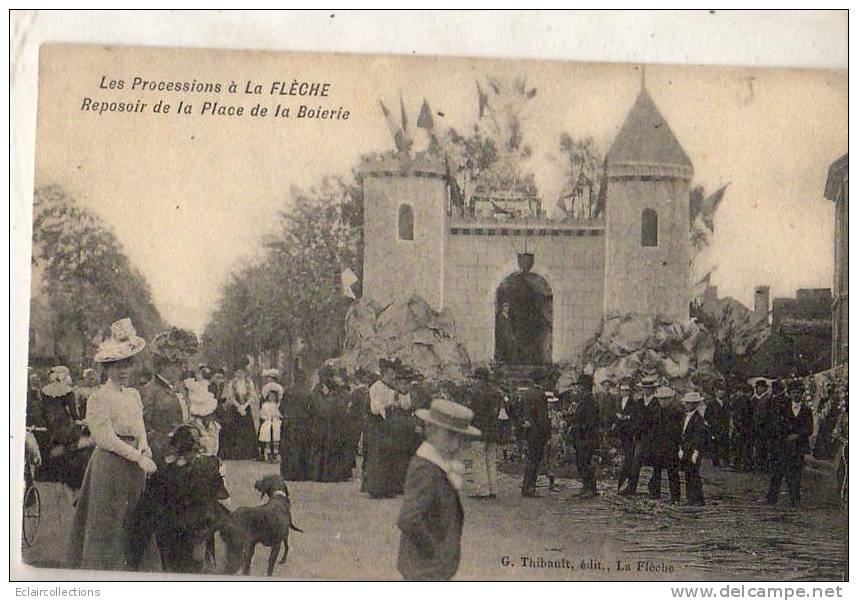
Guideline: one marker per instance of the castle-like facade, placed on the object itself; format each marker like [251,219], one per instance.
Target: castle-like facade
[533,290]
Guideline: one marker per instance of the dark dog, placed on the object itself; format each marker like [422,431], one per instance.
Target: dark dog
[268,524]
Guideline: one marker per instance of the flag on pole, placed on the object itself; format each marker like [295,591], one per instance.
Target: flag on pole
[424,119]
[408,138]
[708,206]
[394,127]
[348,280]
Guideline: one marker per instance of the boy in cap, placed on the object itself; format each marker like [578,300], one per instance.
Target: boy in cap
[431,517]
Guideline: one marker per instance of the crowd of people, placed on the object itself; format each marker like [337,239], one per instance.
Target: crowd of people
[144,467]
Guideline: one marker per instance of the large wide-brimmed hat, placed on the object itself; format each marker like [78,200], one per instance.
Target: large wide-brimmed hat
[201,401]
[649,381]
[664,392]
[175,345]
[450,416]
[272,387]
[122,343]
[60,382]
[692,397]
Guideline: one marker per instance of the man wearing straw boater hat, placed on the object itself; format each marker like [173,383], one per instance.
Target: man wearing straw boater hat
[655,441]
[692,443]
[431,517]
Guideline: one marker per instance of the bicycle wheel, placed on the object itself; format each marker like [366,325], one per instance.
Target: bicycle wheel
[32,516]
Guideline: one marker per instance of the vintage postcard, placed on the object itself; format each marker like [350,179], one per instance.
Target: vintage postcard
[356,316]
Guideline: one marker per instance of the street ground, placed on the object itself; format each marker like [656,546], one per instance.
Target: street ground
[734,537]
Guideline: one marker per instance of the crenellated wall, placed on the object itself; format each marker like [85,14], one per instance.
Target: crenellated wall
[479,256]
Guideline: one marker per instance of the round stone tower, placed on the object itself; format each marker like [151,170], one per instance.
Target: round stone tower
[647,248]
[405,202]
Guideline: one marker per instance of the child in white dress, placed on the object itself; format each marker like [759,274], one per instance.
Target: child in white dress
[270,421]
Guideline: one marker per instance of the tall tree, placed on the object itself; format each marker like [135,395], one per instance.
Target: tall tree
[82,278]
[294,289]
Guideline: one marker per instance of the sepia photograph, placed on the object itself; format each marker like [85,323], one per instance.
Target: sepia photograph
[360,316]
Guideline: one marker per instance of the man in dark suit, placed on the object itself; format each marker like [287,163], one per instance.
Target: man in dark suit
[762,401]
[486,404]
[431,517]
[537,429]
[655,431]
[718,420]
[626,414]
[742,418]
[585,434]
[793,427]
[692,442]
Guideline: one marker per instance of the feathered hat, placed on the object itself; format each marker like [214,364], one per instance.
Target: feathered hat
[122,343]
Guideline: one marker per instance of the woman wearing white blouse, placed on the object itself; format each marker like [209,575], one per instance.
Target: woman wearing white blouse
[117,470]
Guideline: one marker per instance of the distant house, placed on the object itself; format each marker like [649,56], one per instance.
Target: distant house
[837,191]
[800,339]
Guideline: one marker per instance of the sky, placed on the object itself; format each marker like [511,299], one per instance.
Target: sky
[191,196]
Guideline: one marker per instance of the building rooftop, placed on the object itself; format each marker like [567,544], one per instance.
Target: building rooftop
[646,138]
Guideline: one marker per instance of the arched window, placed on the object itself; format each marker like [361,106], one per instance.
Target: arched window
[649,228]
[406,222]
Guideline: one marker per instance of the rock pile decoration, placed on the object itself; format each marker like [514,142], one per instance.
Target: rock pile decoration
[626,344]
[422,339]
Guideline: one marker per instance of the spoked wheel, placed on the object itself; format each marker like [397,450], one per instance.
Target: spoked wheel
[32,516]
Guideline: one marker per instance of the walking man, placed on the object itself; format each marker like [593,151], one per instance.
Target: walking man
[537,429]
[487,405]
[793,427]
[742,416]
[584,430]
[762,402]
[657,442]
[431,517]
[691,445]
[718,419]
[627,411]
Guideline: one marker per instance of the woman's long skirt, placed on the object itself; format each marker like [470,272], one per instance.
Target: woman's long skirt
[109,494]
[238,437]
[390,446]
[295,443]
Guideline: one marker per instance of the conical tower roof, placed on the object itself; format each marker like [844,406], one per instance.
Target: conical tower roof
[646,140]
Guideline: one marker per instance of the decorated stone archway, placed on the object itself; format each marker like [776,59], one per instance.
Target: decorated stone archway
[524,318]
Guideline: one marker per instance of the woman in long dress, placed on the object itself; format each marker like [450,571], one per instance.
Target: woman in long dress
[391,436]
[238,434]
[117,470]
[296,435]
